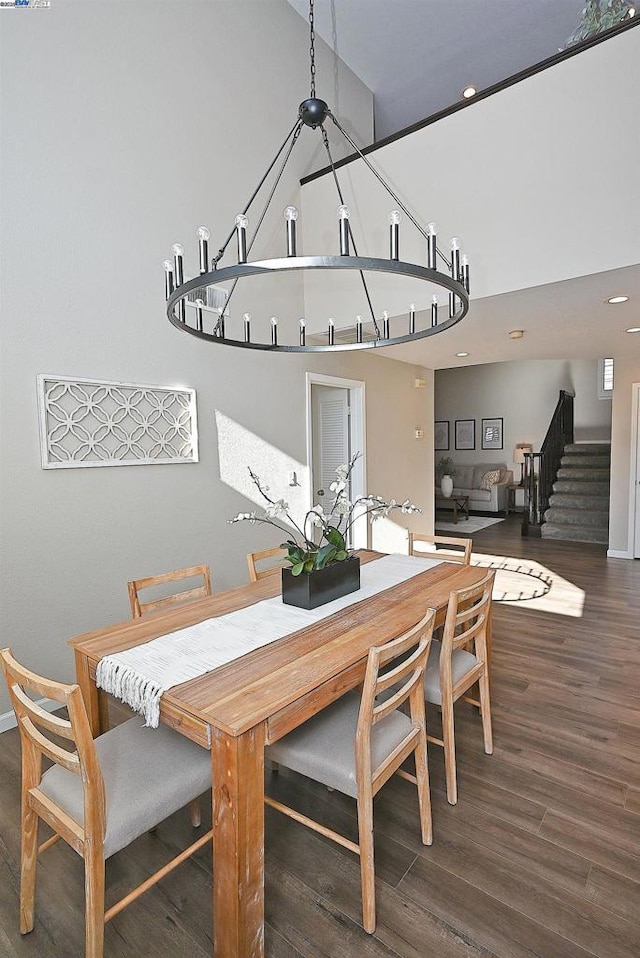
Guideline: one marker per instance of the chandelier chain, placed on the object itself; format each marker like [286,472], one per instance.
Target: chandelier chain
[312,48]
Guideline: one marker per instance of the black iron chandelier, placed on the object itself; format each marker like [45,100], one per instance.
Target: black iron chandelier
[200,306]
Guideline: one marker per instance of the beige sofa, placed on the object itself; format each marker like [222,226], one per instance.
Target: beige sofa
[467,480]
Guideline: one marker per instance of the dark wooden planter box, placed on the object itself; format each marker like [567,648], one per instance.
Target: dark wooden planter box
[311,589]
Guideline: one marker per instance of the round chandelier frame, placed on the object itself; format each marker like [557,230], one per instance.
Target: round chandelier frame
[188,300]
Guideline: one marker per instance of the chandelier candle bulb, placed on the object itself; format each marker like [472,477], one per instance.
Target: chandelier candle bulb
[204,236]
[274,331]
[241,230]
[385,325]
[465,273]
[343,219]
[412,318]
[395,216]
[291,215]
[168,278]
[434,311]
[178,253]
[303,333]
[358,329]
[247,327]
[332,331]
[431,245]
[199,319]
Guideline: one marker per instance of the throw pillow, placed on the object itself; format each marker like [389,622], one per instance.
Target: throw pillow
[490,478]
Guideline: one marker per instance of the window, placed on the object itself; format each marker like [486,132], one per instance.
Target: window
[605,378]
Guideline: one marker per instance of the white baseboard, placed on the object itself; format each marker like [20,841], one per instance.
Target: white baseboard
[8,719]
[618,554]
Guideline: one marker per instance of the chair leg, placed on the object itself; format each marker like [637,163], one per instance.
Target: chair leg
[195,813]
[367,871]
[485,710]
[94,903]
[448,736]
[424,794]
[28,868]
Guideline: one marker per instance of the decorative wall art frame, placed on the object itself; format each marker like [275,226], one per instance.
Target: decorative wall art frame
[465,434]
[441,435]
[492,433]
[92,422]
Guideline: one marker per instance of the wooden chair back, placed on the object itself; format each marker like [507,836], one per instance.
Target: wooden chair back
[405,679]
[467,619]
[139,608]
[449,548]
[272,569]
[38,731]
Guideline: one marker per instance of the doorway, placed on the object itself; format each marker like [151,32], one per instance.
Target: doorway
[335,433]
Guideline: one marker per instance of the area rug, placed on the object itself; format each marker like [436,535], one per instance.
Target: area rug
[464,527]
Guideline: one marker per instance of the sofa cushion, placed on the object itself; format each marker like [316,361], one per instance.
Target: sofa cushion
[463,478]
[481,469]
[475,495]
[490,478]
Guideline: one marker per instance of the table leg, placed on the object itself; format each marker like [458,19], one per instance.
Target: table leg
[238,843]
[90,694]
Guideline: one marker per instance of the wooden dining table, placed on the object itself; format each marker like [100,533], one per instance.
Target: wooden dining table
[237,709]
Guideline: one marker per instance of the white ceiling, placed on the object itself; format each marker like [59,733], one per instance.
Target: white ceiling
[417,56]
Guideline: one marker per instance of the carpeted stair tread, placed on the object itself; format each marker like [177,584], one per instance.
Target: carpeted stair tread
[579,517]
[587,448]
[589,473]
[584,462]
[575,533]
[582,487]
[568,500]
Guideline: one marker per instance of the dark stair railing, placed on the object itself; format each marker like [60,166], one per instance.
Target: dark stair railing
[541,468]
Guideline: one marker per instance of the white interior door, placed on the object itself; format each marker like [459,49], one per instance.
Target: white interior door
[330,409]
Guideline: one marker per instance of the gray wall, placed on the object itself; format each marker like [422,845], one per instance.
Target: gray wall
[124,127]
[524,395]
[627,372]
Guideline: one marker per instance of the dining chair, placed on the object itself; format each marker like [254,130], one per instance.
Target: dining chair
[449,548]
[98,796]
[139,608]
[357,743]
[273,568]
[458,662]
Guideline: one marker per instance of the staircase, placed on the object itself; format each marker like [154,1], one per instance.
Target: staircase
[579,505]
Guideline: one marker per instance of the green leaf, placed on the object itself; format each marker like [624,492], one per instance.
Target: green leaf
[335,537]
[297,569]
[324,556]
[341,556]
[308,566]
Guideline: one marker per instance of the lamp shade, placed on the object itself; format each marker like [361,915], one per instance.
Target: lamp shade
[519,451]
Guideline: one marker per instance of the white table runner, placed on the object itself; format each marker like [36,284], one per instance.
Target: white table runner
[140,675]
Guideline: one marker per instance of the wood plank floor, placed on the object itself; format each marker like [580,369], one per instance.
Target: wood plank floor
[541,856]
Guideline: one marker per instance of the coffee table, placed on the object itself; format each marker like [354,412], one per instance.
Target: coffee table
[460,505]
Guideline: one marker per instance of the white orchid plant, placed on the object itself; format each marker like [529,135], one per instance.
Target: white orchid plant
[322,537]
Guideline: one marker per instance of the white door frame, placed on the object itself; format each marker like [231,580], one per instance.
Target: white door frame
[634,478]
[358,432]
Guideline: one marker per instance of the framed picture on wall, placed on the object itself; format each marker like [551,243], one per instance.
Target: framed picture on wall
[492,433]
[465,434]
[441,435]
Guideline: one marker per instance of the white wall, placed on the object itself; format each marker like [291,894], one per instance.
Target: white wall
[125,126]
[539,180]
[524,395]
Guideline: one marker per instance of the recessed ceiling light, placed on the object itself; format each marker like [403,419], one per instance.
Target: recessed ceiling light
[633,329]
[468,92]
[516,333]
[462,355]
[617,299]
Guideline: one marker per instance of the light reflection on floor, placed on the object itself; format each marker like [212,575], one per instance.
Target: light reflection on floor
[525,582]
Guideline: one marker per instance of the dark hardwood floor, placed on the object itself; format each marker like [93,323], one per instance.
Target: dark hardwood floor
[541,856]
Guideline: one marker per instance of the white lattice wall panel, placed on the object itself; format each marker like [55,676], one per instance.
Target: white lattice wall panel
[88,422]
